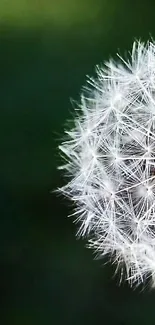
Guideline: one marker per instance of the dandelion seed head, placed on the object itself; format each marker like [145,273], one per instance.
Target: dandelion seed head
[110,158]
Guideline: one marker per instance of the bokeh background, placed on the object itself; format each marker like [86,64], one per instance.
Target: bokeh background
[46,49]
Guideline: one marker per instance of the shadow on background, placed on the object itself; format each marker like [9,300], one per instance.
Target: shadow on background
[47,277]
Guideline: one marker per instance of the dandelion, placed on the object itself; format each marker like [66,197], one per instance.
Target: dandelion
[109,158]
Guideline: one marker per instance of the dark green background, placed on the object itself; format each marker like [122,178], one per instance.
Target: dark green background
[46,275]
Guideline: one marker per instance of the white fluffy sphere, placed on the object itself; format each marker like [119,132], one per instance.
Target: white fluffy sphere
[110,160]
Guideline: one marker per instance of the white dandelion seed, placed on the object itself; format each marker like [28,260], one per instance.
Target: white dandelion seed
[110,159]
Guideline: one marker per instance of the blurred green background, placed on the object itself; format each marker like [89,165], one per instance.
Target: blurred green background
[46,49]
